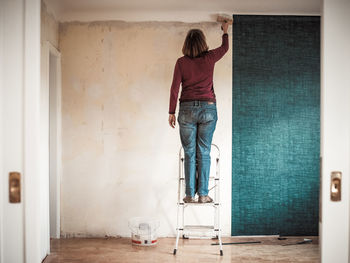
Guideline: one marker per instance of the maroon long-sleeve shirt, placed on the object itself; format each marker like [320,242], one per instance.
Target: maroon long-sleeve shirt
[196,76]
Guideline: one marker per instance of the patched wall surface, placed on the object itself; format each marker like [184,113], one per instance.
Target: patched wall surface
[120,156]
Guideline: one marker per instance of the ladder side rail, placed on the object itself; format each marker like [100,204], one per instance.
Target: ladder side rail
[218,207]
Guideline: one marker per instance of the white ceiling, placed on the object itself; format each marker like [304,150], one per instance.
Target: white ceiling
[174,10]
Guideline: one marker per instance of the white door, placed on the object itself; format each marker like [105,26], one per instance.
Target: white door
[19,133]
[11,52]
[335,129]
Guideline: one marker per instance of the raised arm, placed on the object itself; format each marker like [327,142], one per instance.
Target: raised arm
[217,53]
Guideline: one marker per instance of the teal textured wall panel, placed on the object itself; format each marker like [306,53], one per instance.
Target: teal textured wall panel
[276,125]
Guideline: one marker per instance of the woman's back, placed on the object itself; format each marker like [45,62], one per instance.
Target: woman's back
[196,76]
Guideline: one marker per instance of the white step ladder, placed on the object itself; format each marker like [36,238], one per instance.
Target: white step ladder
[197,231]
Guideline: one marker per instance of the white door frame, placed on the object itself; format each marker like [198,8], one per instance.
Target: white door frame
[32,182]
[55,137]
[2,181]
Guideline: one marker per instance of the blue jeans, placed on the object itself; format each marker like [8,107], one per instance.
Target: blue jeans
[197,121]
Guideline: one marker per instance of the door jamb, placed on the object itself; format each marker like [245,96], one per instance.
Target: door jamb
[2,181]
[51,50]
[32,185]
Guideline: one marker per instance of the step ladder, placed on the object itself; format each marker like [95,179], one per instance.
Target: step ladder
[199,231]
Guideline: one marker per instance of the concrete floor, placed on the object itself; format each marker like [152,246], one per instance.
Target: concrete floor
[98,250]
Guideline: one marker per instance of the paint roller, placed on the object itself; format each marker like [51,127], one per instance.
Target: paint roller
[224,18]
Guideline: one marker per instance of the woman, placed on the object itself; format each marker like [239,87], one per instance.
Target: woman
[197,114]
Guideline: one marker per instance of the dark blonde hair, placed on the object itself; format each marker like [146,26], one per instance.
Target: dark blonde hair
[195,44]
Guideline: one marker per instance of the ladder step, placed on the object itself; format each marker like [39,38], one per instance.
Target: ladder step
[199,204]
[198,236]
[210,178]
[198,227]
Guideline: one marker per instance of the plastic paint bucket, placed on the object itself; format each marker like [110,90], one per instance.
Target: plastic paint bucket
[144,231]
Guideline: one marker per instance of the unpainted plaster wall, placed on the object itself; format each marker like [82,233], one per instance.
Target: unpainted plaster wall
[120,157]
[49,26]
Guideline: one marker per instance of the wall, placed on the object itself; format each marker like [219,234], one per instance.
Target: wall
[49,26]
[120,157]
[180,10]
